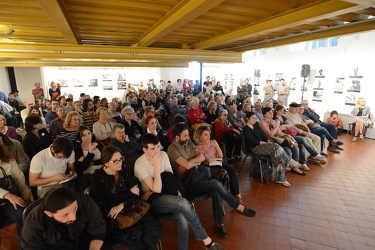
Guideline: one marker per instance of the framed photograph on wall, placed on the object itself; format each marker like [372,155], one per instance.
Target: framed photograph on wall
[292,83]
[338,87]
[317,96]
[93,83]
[351,98]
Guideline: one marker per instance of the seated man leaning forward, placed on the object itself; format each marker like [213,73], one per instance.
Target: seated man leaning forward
[64,220]
[165,192]
[49,166]
[186,161]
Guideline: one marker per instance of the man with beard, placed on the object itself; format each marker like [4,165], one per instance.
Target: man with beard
[89,117]
[186,160]
[64,220]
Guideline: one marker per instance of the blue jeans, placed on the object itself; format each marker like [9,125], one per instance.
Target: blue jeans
[302,144]
[8,211]
[322,132]
[185,216]
[233,179]
[292,152]
[218,192]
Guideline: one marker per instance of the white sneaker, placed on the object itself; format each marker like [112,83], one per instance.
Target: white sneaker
[284,183]
[305,167]
[318,157]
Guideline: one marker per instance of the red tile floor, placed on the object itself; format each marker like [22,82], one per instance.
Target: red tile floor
[332,207]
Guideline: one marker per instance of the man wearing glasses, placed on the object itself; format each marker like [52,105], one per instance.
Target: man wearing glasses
[49,167]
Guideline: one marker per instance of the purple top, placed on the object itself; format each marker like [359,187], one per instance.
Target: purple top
[12,133]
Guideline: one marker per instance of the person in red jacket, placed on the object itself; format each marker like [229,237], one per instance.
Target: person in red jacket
[225,133]
[196,114]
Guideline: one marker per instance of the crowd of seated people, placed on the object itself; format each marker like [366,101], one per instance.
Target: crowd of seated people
[82,145]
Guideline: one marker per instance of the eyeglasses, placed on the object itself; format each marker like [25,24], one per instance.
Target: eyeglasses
[121,159]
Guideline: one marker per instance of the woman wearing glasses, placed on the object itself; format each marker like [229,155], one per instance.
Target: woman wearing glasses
[224,132]
[114,188]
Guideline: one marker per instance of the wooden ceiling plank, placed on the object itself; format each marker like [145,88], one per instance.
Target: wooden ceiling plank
[309,13]
[56,11]
[329,32]
[124,4]
[181,14]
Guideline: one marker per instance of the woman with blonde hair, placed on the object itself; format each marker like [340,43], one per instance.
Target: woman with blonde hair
[212,153]
[71,123]
[7,130]
[360,117]
[102,129]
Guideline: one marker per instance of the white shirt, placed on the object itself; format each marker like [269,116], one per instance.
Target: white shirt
[143,168]
[48,165]
[100,131]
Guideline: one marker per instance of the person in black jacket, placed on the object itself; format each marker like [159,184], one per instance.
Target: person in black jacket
[87,157]
[37,138]
[151,124]
[64,220]
[114,188]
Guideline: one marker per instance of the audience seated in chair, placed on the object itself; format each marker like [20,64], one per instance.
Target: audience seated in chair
[114,188]
[49,166]
[166,193]
[186,160]
[335,119]
[361,118]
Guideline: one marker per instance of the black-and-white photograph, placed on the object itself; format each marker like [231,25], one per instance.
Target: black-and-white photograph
[278,77]
[93,83]
[355,86]
[121,84]
[275,85]
[317,96]
[63,82]
[257,73]
[231,76]
[320,74]
[338,88]
[106,76]
[256,92]
[121,77]
[318,84]
[225,76]
[107,87]
[292,83]
[77,83]
[256,81]
[351,98]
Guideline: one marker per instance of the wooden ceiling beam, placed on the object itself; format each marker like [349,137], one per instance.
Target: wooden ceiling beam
[56,11]
[49,63]
[308,13]
[181,14]
[124,5]
[345,29]
[35,51]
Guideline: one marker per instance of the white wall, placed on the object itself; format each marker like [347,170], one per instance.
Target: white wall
[25,79]
[354,51]
[4,81]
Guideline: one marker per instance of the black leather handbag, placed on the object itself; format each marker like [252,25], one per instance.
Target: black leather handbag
[7,182]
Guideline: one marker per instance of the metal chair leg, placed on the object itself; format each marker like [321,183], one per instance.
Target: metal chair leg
[242,164]
[260,170]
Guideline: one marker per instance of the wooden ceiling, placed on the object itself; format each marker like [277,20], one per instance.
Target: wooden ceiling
[166,33]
